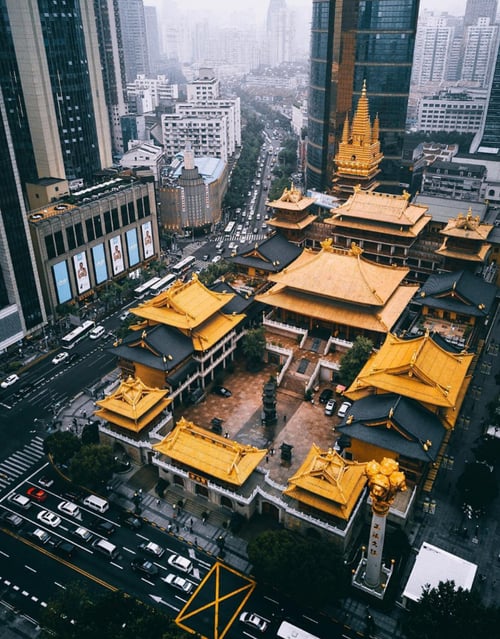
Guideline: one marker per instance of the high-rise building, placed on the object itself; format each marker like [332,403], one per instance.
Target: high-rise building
[353,41]
[488,139]
[432,51]
[153,38]
[135,45]
[480,47]
[59,79]
[278,34]
[475,9]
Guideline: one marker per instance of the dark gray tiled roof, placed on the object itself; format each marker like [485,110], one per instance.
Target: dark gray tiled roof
[276,251]
[416,422]
[239,303]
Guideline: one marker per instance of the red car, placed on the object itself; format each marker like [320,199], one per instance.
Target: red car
[36,494]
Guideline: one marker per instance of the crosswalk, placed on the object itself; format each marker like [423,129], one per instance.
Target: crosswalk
[20,462]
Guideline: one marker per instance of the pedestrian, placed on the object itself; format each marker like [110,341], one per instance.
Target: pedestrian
[190,530]
[157,502]
[284,419]
[169,528]
[267,459]
[226,435]
[191,521]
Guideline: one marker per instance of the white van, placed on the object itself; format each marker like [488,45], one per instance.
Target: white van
[97,332]
[96,503]
[106,548]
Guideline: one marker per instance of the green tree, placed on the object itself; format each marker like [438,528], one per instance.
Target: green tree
[307,570]
[354,360]
[92,466]
[62,445]
[253,346]
[447,611]
[477,485]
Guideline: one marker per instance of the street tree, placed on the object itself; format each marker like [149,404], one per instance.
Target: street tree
[61,445]
[307,570]
[477,486]
[92,466]
[354,360]
[253,345]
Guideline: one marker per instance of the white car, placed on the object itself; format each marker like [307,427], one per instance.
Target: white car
[181,563]
[48,518]
[253,620]
[178,582]
[8,381]
[152,549]
[60,357]
[69,508]
[344,407]
[83,534]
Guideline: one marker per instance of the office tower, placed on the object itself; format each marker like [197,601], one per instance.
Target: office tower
[278,32]
[153,38]
[480,47]
[113,68]
[353,41]
[433,46]
[475,9]
[135,46]
[488,138]
[59,82]
[21,305]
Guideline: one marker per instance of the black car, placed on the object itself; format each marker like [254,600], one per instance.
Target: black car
[134,523]
[61,547]
[12,520]
[325,395]
[105,527]
[222,391]
[72,358]
[146,567]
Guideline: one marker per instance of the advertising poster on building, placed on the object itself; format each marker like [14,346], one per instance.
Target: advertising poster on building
[147,240]
[132,247]
[115,246]
[81,272]
[100,268]
[61,280]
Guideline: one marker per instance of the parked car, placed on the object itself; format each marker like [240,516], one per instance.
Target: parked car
[48,518]
[180,562]
[330,407]
[146,567]
[325,395]
[8,381]
[36,494]
[222,391]
[152,549]
[254,620]
[344,408]
[60,357]
[178,582]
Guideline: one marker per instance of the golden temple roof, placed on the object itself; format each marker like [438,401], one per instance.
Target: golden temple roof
[328,482]
[292,199]
[287,223]
[462,253]
[467,227]
[213,330]
[210,454]
[382,209]
[416,368]
[185,305]
[133,405]
[341,275]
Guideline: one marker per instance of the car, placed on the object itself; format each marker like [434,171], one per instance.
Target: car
[134,523]
[60,357]
[105,527]
[36,494]
[178,582]
[83,534]
[216,259]
[254,620]
[152,549]
[20,500]
[49,518]
[206,257]
[45,481]
[330,407]
[69,508]
[8,381]
[73,495]
[325,395]
[344,408]
[39,535]
[73,358]
[61,547]
[138,564]
[124,315]
[222,391]
[97,332]
[12,520]
[180,562]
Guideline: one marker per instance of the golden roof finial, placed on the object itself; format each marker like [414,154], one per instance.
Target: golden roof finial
[326,244]
[355,249]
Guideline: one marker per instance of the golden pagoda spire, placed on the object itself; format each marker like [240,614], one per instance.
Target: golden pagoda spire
[345,132]
[375,129]
[361,127]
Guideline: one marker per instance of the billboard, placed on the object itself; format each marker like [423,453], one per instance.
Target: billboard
[61,280]
[100,268]
[132,247]
[82,272]
[115,246]
[147,240]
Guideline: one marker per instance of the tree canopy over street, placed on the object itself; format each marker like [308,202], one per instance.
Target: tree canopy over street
[354,360]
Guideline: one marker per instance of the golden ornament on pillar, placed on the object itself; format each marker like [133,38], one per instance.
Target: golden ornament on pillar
[384,480]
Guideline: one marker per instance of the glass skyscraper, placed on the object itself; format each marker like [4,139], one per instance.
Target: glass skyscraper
[353,41]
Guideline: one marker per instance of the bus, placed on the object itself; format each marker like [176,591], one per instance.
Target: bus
[229,228]
[289,631]
[78,333]
[141,290]
[184,265]
[162,285]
